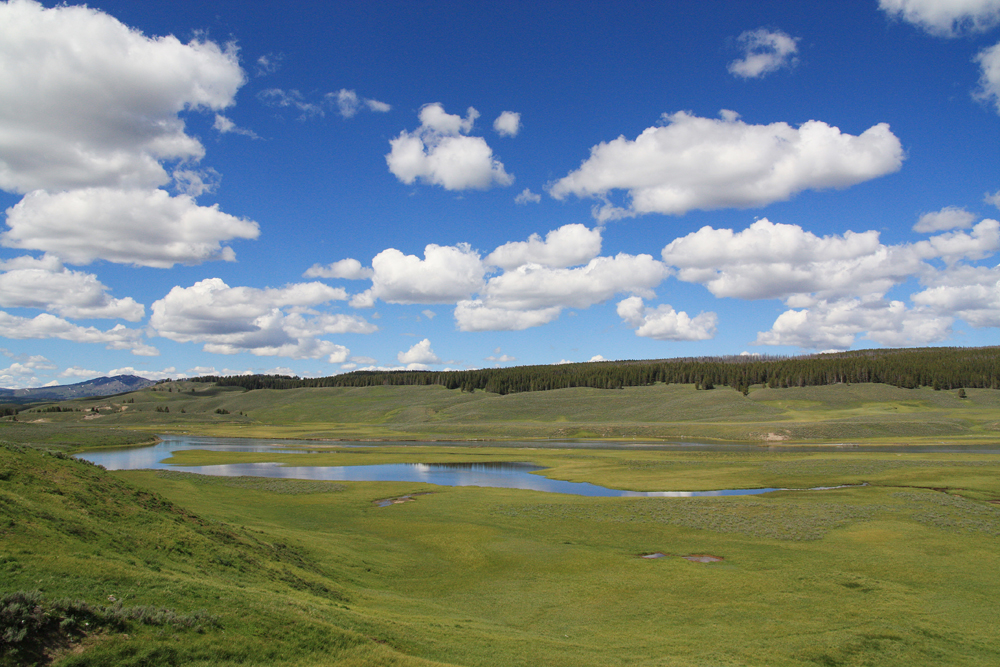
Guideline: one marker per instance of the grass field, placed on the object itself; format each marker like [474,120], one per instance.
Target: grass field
[836,413]
[171,568]
[303,573]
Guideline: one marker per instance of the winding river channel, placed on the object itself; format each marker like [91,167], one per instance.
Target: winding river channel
[512,475]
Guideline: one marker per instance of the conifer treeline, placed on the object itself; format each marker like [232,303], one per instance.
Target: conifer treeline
[938,367]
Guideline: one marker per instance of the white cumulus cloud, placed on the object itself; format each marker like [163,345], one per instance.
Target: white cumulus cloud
[703,163]
[567,246]
[945,18]
[534,287]
[527,197]
[764,51]
[835,325]
[989,79]
[772,260]
[665,323]
[46,284]
[508,124]
[421,353]
[769,260]
[348,103]
[264,322]
[446,274]
[349,269]
[45,325]
[950,217]
[474,315]
[441,152]
[141,227]
[89,102]
[971,293]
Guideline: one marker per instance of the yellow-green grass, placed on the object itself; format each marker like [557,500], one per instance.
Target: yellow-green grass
[306,573]
[836,413]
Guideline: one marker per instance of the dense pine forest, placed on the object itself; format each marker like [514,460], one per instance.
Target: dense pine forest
[937,367]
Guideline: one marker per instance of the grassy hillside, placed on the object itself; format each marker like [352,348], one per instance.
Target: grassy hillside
[216,571]
[72,530]
[833,413]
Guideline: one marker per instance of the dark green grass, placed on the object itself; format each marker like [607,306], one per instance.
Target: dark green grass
[65,435]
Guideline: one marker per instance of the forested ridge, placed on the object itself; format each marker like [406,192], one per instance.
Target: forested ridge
[938,367]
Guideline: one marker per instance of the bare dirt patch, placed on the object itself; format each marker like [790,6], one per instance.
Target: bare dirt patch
[703,558]
[398,500]
[694,558]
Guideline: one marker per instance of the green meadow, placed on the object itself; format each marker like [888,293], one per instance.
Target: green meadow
[164,567]
[833,413]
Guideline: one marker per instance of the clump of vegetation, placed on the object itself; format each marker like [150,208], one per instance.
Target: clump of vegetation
[30,625]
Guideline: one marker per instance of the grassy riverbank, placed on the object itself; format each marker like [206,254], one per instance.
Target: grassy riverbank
[308,573]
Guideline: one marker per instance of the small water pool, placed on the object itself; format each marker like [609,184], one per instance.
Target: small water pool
[507,475]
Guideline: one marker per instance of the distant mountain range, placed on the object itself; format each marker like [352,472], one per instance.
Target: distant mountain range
[98,387]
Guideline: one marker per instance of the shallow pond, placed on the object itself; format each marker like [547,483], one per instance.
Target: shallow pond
[512,475]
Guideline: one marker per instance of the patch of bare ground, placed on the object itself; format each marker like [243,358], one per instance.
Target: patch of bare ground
[694,558]
[703,558]
[399,500]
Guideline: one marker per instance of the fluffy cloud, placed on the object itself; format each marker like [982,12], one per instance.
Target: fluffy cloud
[993,198]
[89,102]
[19,375]
[952,247]
[836,325]
[950,217]
[970,293]
[264,322]
[446,274]
[49,326]
[76,372]
[945,18]
[703,163]
[45,283]
[533,287]
[989,80]
[474,315]
[348,103]
[567,246]
[664,323]
[764,51]
[440,152]
[421,353]
[527,197]
[508,124]
[350,269]
[141,227]
[768,260]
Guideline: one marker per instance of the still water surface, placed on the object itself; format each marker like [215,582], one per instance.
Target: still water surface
[513,475]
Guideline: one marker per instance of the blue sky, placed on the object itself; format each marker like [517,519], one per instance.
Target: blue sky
[228,187]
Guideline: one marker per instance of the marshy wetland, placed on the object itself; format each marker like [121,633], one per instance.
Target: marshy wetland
[899,566]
